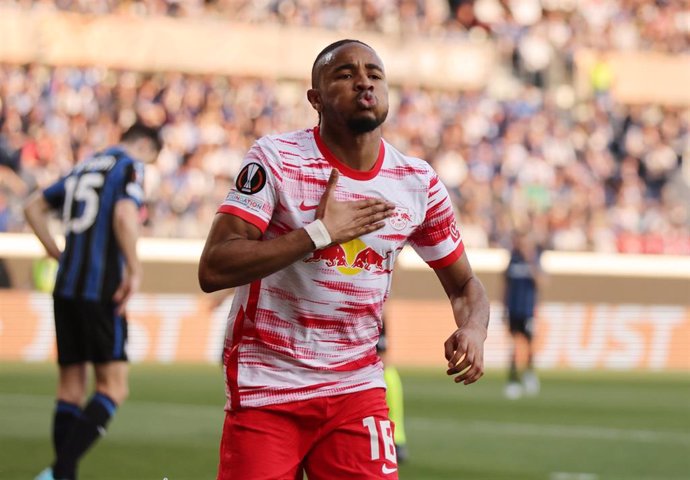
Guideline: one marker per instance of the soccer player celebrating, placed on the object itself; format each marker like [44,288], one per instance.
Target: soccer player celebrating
[99,201]
[309,236]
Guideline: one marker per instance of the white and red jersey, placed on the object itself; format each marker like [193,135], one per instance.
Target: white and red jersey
[310,329]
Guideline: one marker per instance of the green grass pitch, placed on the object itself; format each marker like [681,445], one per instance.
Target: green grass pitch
[583,426]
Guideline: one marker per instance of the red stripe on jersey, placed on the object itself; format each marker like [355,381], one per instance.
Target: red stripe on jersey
[276,173]
[318,322]
[355,364]
[448,259]
[239,329]
[402,171]
[275,341]
[344,169]
[357,310]
[232,360]
[286,391]
[253,300]
[394,237]
[244,215]
[360,293]
[320,163]
[263,159]
[437,210]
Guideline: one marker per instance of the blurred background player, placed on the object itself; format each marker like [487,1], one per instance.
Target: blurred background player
[394,396]
[523,278]
[98,272]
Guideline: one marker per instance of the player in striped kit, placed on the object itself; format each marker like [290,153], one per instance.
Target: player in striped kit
[309,236]
[98,271]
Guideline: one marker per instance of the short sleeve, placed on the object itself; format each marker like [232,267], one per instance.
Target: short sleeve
[437,239]
[55,194]
[254,195]
[133,183]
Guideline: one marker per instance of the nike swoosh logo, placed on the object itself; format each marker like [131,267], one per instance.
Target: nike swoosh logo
[306,208]
[386,470]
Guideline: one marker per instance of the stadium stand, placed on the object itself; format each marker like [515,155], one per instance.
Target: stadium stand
[589,172]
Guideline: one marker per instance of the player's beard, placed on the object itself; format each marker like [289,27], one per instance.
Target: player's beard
[366,124]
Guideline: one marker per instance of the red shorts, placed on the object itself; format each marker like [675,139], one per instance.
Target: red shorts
[341,437]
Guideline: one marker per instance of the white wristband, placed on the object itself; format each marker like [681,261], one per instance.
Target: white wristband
[318,233]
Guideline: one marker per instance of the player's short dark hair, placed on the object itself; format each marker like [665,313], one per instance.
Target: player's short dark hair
[138,131]
[329,49]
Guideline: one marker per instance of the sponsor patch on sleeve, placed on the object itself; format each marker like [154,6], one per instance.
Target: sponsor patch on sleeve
[251,179]
[250,203]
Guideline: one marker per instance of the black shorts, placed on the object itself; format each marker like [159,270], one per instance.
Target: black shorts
[382,344]
[521,324]
[89,331]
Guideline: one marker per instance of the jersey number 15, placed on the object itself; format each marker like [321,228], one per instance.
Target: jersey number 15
[82,189]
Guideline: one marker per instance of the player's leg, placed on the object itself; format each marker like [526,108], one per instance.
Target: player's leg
[265,443]
[71,393]
[105,336]
[357,440]
[72,373]
[513,389]
[72,376]
[530,380]
[396,409]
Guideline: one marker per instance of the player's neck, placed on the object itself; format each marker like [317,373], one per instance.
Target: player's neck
[357,151]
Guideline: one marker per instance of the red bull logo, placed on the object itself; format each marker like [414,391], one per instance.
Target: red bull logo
[401,218]
[332,256]
[351,258]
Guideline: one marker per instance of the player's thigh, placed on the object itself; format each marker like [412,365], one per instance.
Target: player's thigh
[72,382]
[361,446]
[260,445]
[107,331]
[69,332]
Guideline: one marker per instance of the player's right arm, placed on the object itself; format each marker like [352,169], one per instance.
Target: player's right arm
[37,213]
[235,254]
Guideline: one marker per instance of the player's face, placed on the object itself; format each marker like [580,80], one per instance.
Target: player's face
[353,89]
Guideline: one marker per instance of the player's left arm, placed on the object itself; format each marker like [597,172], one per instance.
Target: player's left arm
[464,349]
[126,228]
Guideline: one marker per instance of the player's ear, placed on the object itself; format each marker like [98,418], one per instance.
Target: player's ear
[314,97]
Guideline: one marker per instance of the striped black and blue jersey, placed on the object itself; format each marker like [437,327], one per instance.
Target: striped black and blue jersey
[91,264]
[521,287]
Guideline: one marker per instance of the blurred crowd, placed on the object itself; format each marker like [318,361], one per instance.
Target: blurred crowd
[585,174]
[540,27]
[590,176]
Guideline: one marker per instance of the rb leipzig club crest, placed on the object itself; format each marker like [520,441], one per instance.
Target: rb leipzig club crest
[251,179]
[400,218]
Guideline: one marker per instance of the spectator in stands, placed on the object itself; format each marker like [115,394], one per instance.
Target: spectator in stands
[544,149]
